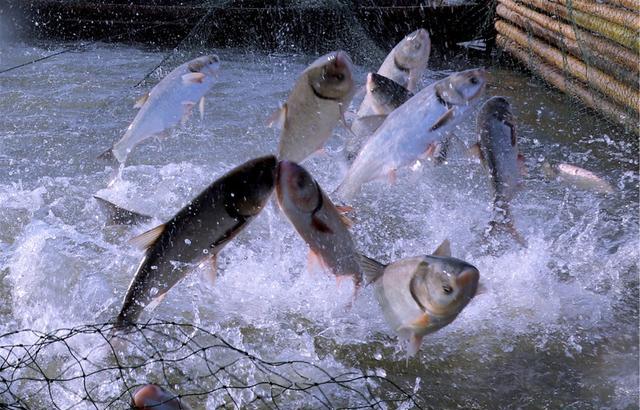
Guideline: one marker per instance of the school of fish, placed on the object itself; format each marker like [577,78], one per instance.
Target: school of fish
[395,126]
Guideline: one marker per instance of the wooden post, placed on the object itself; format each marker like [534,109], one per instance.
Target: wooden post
[602,81]
[613,14]
[573,88]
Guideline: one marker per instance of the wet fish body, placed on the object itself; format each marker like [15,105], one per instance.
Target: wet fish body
[198,231]
[581,178]
[387,94]
[168,103]
[315,105]
[152,397]
[317,220]
[422,294]
[411,131]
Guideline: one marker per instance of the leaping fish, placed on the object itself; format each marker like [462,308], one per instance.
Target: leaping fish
[405,65]
[170,102]
[315,105]
[422,294]
[412,130]
[318,222]
[197,232]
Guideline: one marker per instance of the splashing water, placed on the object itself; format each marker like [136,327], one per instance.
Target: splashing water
[557,327]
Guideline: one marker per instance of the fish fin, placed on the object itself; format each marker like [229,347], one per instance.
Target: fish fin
[415,341]
[314,262]
[507,227]
[140,101]
[213,267]
[319,225]
[201,108]
[193,78]
[372,122]
[344,120]
[155,302]
[392,177]
[187,109]
[147,239]
[442,121]
[350,116]
[108,156]
[429,152]
[475,151]
[348,222]
[481,289]
[444,249]
[522,166]
[372,270]
[279,118]
[344,209]
[117,215]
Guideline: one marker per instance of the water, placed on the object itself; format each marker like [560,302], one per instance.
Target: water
[557,327]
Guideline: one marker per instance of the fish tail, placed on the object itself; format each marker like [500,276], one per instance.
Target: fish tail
[503,223]
[108,156]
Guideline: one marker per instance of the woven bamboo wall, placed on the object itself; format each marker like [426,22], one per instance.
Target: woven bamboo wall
[587,49]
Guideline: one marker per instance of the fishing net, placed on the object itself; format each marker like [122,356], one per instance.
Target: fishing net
[83,367]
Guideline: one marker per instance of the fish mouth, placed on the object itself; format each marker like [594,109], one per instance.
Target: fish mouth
[341,60]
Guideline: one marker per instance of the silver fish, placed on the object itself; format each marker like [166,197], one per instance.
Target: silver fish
[167,104]
[405,65]
[578,177]
[318,221]
[412,130]
[155,397]
[498,151]
[387,94]
[422,294]
[315,105]
[198,231]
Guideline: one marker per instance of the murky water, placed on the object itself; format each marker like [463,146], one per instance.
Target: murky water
[557,328]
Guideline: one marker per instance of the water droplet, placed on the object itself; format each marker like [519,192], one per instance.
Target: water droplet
[377,356]
[153,291]
[187,241]
[154,267]
[205,251]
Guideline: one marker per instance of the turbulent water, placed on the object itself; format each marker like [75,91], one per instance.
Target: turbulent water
[556,328]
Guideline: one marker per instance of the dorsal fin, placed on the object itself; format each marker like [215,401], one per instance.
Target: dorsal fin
[444,249]
[147,239]
[279,118]
[140,101]
[372,270]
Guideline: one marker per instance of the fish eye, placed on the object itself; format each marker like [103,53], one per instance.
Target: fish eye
[417,46]
[447,289]
[474,80]
[340,76]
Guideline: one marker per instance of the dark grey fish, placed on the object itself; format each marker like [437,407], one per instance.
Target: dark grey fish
[498,151]
[198,231]
[387,94]
[119,216]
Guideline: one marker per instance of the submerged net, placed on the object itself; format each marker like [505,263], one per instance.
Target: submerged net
[83,367]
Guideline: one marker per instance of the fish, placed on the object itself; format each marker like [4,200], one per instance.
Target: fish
[578,177]
[197,232]
[168,104]
[412,131]
[498,152]
[422,294]
[117,215]
[404,65]
[315,105]
[318,221]
[153,397]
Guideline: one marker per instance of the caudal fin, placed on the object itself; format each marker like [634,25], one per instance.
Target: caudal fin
[497,228]
[108,156]
[119,216]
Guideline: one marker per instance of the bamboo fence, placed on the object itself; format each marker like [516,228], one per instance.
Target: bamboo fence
[589,50]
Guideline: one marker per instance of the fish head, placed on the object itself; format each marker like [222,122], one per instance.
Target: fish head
[152,396]
[331,77]
[208,65]
[442,285]
[461,89]
[378,86]
[296,189]
[413,51]
[251,187]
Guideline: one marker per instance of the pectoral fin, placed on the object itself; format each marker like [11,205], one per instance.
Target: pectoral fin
[193,78]
[443,120]
[319,225]
[140,101]
[201,108]
[279,118]
[414,345]
[147,239]
[348,222]
[476,152]
[187,109]
[155,302]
